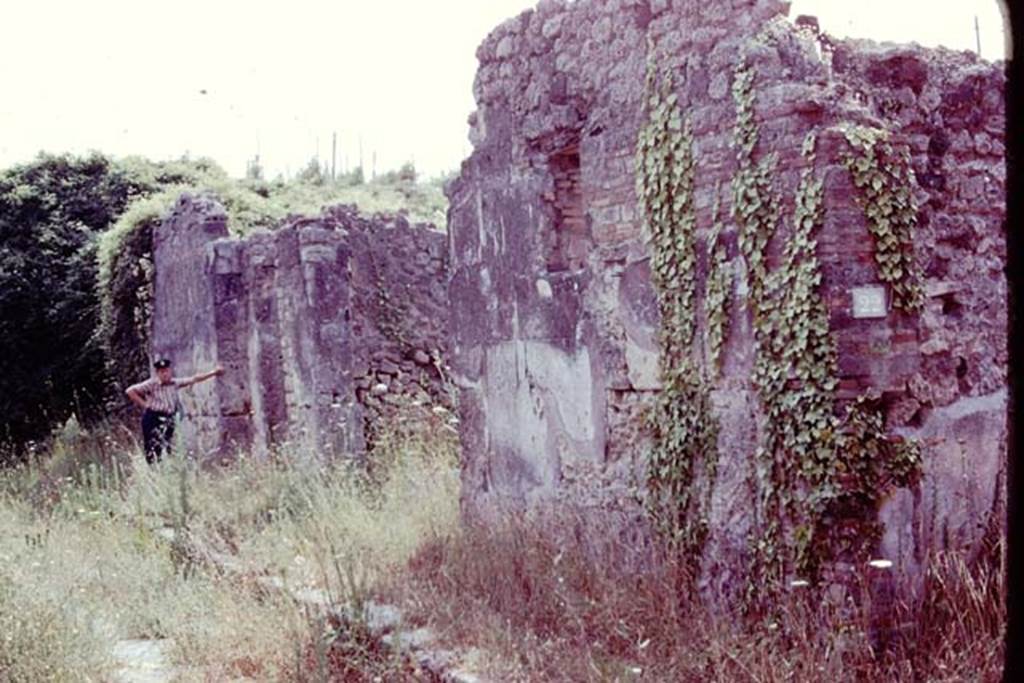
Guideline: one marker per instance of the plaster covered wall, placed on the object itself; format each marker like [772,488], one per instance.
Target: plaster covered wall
[554,316]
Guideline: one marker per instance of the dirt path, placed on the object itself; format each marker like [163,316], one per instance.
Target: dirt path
[143,661]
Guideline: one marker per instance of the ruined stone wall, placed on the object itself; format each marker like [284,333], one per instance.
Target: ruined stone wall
[554,314]
[399,313]
[324,327]
[949,108]
[184,329]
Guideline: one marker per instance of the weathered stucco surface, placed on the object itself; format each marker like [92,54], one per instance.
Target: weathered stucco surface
[324,326]
[554,316]
[183,324]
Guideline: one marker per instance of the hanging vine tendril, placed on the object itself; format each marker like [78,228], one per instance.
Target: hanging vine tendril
[681,422]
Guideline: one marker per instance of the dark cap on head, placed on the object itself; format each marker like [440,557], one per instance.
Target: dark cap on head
[161,363]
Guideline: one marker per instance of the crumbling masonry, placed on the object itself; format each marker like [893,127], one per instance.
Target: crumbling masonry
[554,317]
[325,326]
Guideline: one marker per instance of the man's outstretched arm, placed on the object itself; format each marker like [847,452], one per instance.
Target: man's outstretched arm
[201,377]
[135,394]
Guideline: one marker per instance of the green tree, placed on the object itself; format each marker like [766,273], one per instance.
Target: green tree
[50,213]
[313,174]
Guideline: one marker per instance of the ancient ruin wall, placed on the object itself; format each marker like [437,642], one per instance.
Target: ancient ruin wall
[949,108]
[324,326]
[183,326]
[554,315]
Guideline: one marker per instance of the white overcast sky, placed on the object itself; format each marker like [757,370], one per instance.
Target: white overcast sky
[223,78]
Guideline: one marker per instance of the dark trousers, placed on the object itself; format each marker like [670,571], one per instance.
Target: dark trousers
[157,434]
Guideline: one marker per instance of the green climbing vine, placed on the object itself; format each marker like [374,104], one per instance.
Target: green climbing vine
[869,464]
[812,469]
[755,211]
[796,375]
[717,290]
[681,422]
[754,205]
[882,174]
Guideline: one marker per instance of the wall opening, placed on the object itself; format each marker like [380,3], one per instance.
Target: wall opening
[567,246]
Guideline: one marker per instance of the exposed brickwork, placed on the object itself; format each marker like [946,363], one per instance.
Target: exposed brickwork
[568,240]
[325,326]
[568,355]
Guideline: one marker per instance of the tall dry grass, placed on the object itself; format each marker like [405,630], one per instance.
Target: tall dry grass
[97,547]
[548,610]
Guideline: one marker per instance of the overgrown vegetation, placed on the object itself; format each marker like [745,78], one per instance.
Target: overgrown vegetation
[543,607]
[100,549]
[50,213]
[682,465]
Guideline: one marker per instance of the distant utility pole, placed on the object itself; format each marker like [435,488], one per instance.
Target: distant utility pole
[334,155]
[373,172]
[977,33]
[361,153]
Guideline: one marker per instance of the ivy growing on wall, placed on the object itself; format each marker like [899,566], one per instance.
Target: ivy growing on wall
[754,205]
[869,465]
[796,374]
[882,174]
[125,284]
[755,211]
[812,469]
[681,422]
[718,290]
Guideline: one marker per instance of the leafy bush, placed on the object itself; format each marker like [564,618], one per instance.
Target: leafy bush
[50,212]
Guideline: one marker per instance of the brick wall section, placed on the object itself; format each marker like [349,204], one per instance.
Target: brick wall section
[949,108]
[314,355]
[569,356]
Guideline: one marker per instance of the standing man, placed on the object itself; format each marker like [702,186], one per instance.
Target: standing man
[158,398]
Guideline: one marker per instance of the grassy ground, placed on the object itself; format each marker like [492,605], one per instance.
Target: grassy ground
[97,547]
[544,610]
